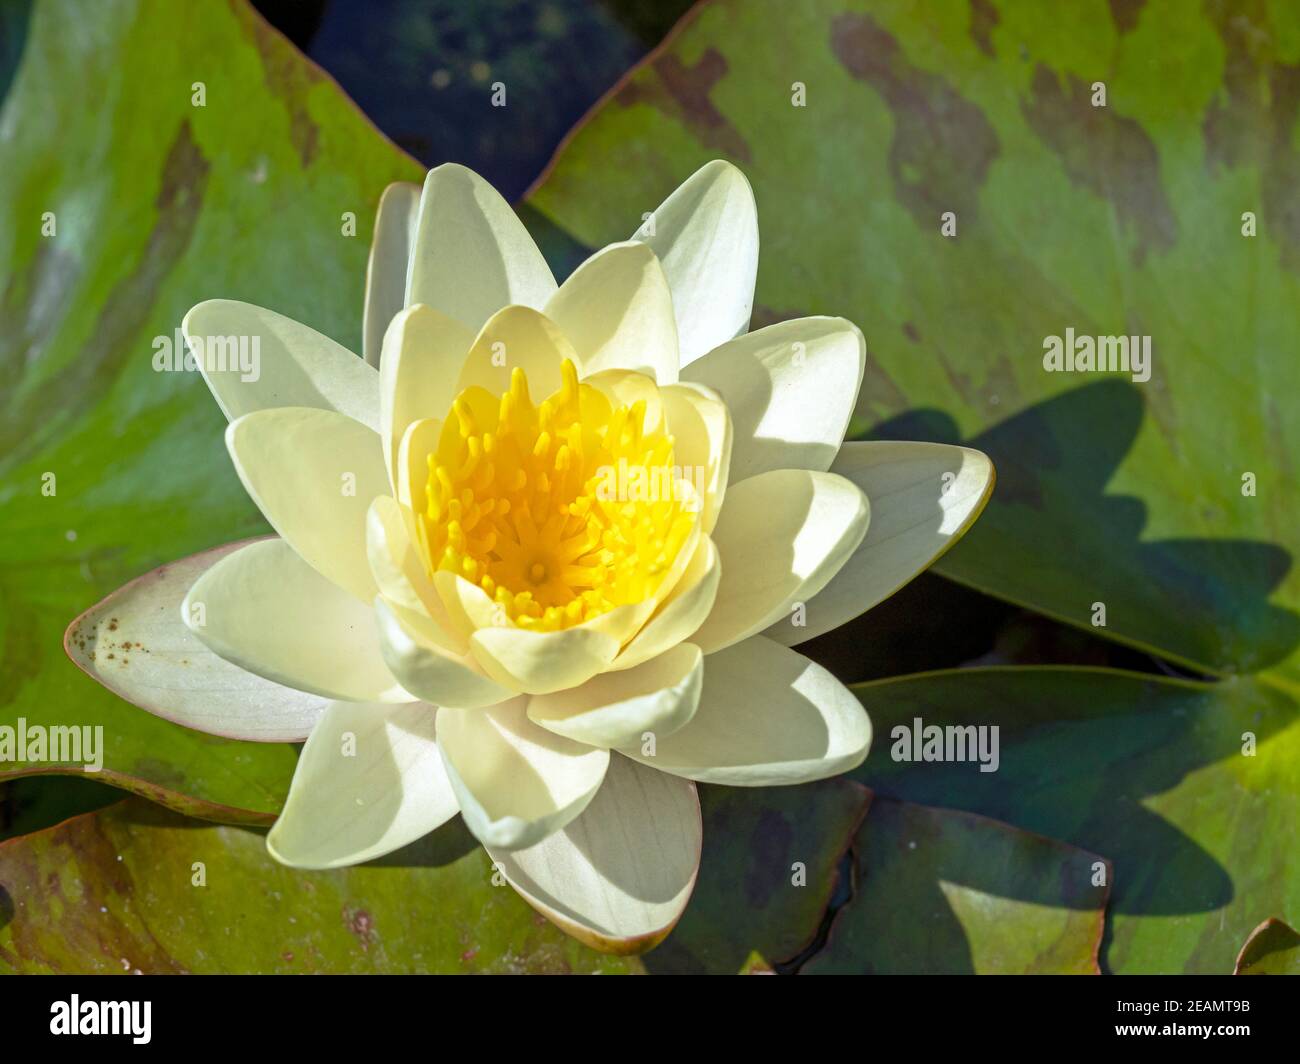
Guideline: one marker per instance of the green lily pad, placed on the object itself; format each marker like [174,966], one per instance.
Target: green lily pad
[1272,949]
[125,896]
[109,468]
[770,869]
[137,888]
[1191,790]
[1169,501]
[943,892]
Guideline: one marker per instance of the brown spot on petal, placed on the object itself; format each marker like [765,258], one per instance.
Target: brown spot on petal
[942,145]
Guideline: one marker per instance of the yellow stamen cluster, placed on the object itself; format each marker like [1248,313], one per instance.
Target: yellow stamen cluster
[519,502]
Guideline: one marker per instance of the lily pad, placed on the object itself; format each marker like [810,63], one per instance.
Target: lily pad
[137,888]
[1272,949]
[769,871]
[943,892]
[118,890]
[225,165]
[1191,790]
[1099,162]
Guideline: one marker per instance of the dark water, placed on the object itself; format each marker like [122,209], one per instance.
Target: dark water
[425,70]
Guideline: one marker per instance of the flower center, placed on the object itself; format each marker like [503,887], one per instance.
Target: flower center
[532,503]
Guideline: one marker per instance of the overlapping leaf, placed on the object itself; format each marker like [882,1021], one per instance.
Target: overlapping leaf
[135,887]
[1190,790]
[1272,949]
[942,892]
[1122,219]
[109,467]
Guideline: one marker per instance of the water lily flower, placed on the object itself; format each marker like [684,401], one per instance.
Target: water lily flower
[542,553]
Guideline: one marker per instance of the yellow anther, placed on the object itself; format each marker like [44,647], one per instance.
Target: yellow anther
[522,507]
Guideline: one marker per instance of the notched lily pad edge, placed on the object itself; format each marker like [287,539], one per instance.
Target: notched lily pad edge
[851,855]
[842,887]
[176,801]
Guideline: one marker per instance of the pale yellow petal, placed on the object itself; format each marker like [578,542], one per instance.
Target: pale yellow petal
[472,254]
[706,236]
[390,256]
[255,359]
[428,665]
[617,708]
[617,311]
[422,354]
[619,876]
[313,474]
[782,536]
[369,781]
[790,388]
[516,783]
[924,496]
[767,716]
[266,610]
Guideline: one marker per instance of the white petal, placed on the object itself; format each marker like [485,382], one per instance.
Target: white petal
[617,312]
[702,432]
[623,387]
[422,354]
[618,708]
[472,255]
[159,665]
[467,605]
[390,256]
[516,782]
[541,662]
[394,560]
[369,781]
[516,338]
[266,610]
[313,474]
[412,471]
[767,716]
[782,536]
[619,876]
[924,496]
[706,237]
[428,665]
[282,363]
[790,388]
[682,612]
